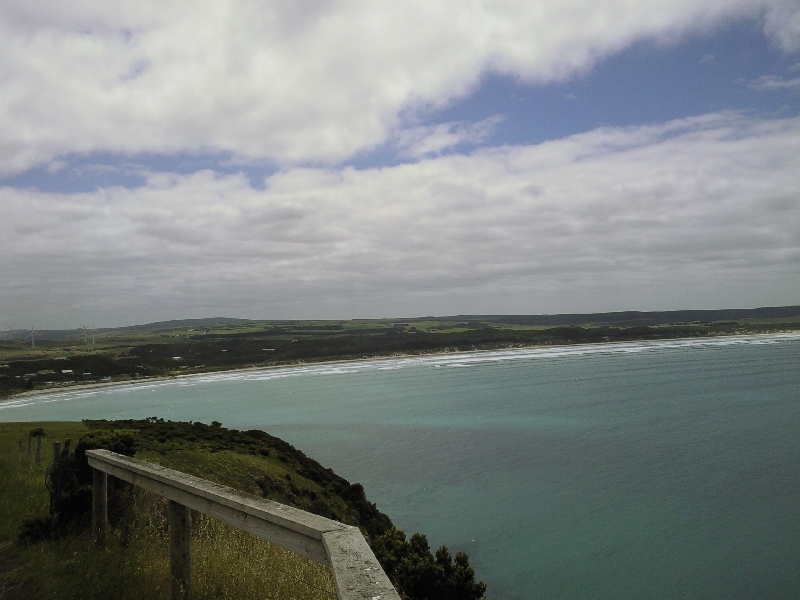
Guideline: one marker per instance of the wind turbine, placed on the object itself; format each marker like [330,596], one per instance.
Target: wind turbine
[85,332]
[33,333]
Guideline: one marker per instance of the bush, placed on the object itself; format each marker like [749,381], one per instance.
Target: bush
[418,575]
[69,481]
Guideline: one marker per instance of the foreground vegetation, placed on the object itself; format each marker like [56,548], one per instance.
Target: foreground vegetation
[56,557]
[62,358]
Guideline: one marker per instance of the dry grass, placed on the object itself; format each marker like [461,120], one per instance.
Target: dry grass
[134,563]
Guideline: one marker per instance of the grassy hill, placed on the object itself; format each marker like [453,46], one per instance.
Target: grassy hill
[56,557]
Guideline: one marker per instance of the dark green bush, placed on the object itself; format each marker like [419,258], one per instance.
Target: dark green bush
[69,481]
[418,575]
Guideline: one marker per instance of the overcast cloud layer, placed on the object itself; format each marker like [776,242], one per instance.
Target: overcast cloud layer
[700,212]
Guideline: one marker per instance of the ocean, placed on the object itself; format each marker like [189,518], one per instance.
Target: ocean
[667,469]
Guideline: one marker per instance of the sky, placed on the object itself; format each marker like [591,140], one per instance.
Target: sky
[331,159]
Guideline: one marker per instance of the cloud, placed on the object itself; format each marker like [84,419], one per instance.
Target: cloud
[782,24]
[770,83]
[293,81]
[415,142]
[701,212]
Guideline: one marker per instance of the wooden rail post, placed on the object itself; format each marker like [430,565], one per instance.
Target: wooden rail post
[56,452]
[180,550]
[20,447]
[29,445]
[38,449]
[99,505]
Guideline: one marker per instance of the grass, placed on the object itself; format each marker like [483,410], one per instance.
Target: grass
[134,563]
[22,491]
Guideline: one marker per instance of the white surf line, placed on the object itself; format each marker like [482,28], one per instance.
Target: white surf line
[451,360]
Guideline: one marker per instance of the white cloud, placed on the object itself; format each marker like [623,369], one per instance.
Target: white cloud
[782,24]
[415,142]
[769,83]
[292,81]
[701,212]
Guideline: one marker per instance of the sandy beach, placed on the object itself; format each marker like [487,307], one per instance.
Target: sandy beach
[150,380]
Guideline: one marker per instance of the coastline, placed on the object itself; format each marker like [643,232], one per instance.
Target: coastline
[159,378]
[304,363]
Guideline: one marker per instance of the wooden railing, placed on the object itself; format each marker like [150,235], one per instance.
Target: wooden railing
[357,574]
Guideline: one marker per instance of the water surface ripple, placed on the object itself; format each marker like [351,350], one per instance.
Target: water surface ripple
[645,470]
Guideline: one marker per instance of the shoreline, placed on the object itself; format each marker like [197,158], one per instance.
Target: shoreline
[161,378]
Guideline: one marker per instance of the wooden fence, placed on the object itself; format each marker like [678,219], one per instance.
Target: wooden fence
[356,572]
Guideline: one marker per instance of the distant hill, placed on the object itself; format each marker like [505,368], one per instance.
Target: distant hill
[78,332]
[175,324]
[624,318]
[629,318]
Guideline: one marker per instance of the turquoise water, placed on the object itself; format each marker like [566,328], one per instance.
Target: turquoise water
[643,470]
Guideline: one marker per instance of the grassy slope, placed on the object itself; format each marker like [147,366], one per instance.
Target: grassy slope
[134,564]
[253,462]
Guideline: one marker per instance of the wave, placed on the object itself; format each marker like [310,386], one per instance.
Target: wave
[438,361]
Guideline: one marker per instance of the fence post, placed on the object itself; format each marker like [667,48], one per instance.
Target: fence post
[29,445]
[20,447]
[99,505]
[56,452]
[180,550]
[38,449]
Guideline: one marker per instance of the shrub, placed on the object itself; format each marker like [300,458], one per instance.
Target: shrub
[418,575]
[69,481]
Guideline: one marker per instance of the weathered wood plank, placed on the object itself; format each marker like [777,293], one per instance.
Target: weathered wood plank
[180,550]
[99,505]
[356,572]
[289,527]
